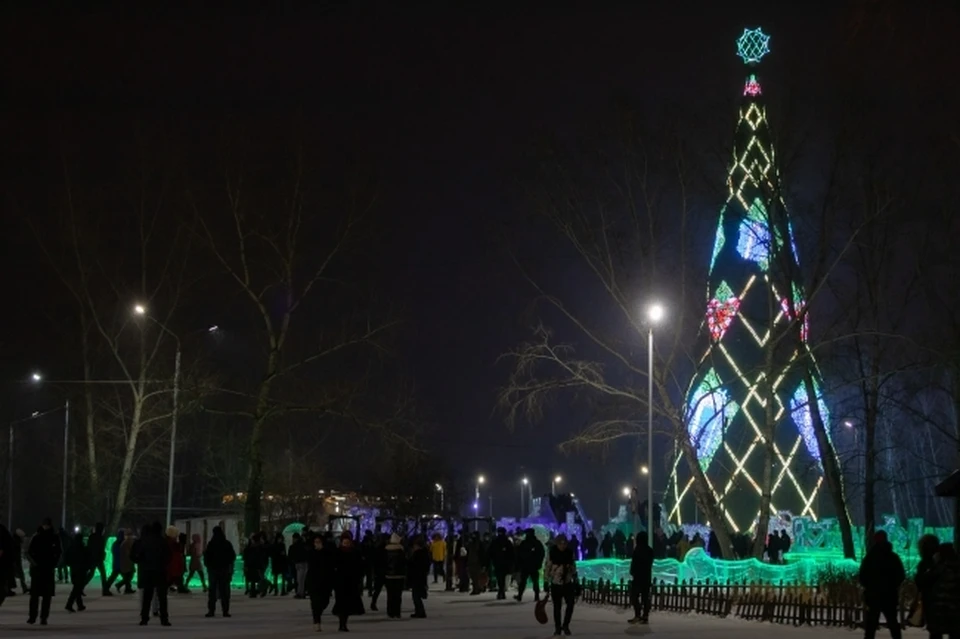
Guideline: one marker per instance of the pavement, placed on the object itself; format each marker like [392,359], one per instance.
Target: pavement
[452,615]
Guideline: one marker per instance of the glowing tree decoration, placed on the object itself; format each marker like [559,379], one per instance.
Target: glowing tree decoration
[750,360]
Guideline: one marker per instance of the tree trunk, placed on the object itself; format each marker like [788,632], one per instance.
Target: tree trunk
[871,415]
[89,420]
[251,508]
[128,459]
[831,468]
[705,499]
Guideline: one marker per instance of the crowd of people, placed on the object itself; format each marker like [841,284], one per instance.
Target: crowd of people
[323,567]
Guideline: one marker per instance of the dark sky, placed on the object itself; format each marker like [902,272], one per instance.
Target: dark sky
[444,104]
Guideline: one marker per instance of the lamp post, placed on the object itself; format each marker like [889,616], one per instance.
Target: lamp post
[142,311]
[476,500]
[655,313]
[37,378]
[553,484]
[523,482]
[440,490]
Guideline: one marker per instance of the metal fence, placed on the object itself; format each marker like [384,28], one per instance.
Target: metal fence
[776,603]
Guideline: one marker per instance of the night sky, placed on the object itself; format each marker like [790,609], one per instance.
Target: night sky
[445,106]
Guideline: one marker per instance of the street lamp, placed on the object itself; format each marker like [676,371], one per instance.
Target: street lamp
[34,415]
[553,484]
[440,490]
[36,377]
[655,314]
[523,482]
[644,470]
[141,310]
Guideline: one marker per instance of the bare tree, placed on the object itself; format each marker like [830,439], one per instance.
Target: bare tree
[623,217]
[291,243]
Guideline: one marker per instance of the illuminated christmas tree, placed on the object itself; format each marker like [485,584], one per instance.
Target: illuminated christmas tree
[750,337]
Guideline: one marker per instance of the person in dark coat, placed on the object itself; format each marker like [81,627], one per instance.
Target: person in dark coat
[561,576]
[97,548]
[501,557]
[278,565]
[606,546]
[78,560]
[320,577]
[151,553]
[394,575]
[881,573]
[530,556]
[641,573]
[379,569]
[7,553]
[297,556]
[219,559]
[590,546]
[63,575]
[418,569]
[941,585]
[44,553]
[348,580]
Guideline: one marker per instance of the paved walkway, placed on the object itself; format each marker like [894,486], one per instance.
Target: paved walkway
[451,615]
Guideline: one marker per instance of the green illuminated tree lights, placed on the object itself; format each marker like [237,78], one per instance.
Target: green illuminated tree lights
[753,45]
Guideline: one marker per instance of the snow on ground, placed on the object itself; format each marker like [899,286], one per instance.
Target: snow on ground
[450,615]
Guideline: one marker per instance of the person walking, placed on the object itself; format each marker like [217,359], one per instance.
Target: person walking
[395,573]
[561,574]
[418,571]
[501,557]
[438,555]
[44,554]
[299,558]
[881,573]
[941,585]
[219,558]
[641,573]
[78,560]
[176,562]
[63,575]
[319,579]
[123,558]
[530,556]
[348,581]
[152,554]
[379,569]
[195,567]
[278,566]
[7,553]
[97,548]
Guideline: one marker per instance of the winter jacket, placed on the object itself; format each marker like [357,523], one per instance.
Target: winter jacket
[590,546]
[347,581]
[278,557]
[78,558]
[561,567]
[45,550]
[881,574]
[942,602]
[176,563]
[320,571]
[151,554]
[298,552]
[97,547]
[641,564]
[501,552]
[530,554]
[396,559]
[219,556]
[438,550]
[418,568]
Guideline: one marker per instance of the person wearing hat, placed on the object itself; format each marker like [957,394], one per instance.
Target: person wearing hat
[881,574]
[347,580]
[396,573]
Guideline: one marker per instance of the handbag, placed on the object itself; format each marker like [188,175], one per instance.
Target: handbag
[540,610]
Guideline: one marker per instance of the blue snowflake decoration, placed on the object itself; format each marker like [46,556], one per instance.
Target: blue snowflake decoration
[753,45]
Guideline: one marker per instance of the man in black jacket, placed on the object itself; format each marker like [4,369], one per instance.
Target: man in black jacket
[418,569]
[641,572]
[881,574]
[501,557]
[45,552]
[530,556]
[395,572]
[220,559]
[151,553]
[97,547]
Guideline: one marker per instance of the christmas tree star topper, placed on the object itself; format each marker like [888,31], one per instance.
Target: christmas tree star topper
[753,45]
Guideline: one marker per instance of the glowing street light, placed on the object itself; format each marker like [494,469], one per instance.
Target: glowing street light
[440,490]
[139,309]
[553,484]
[626,491]
[655,313]
[37,377]
[523,482]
